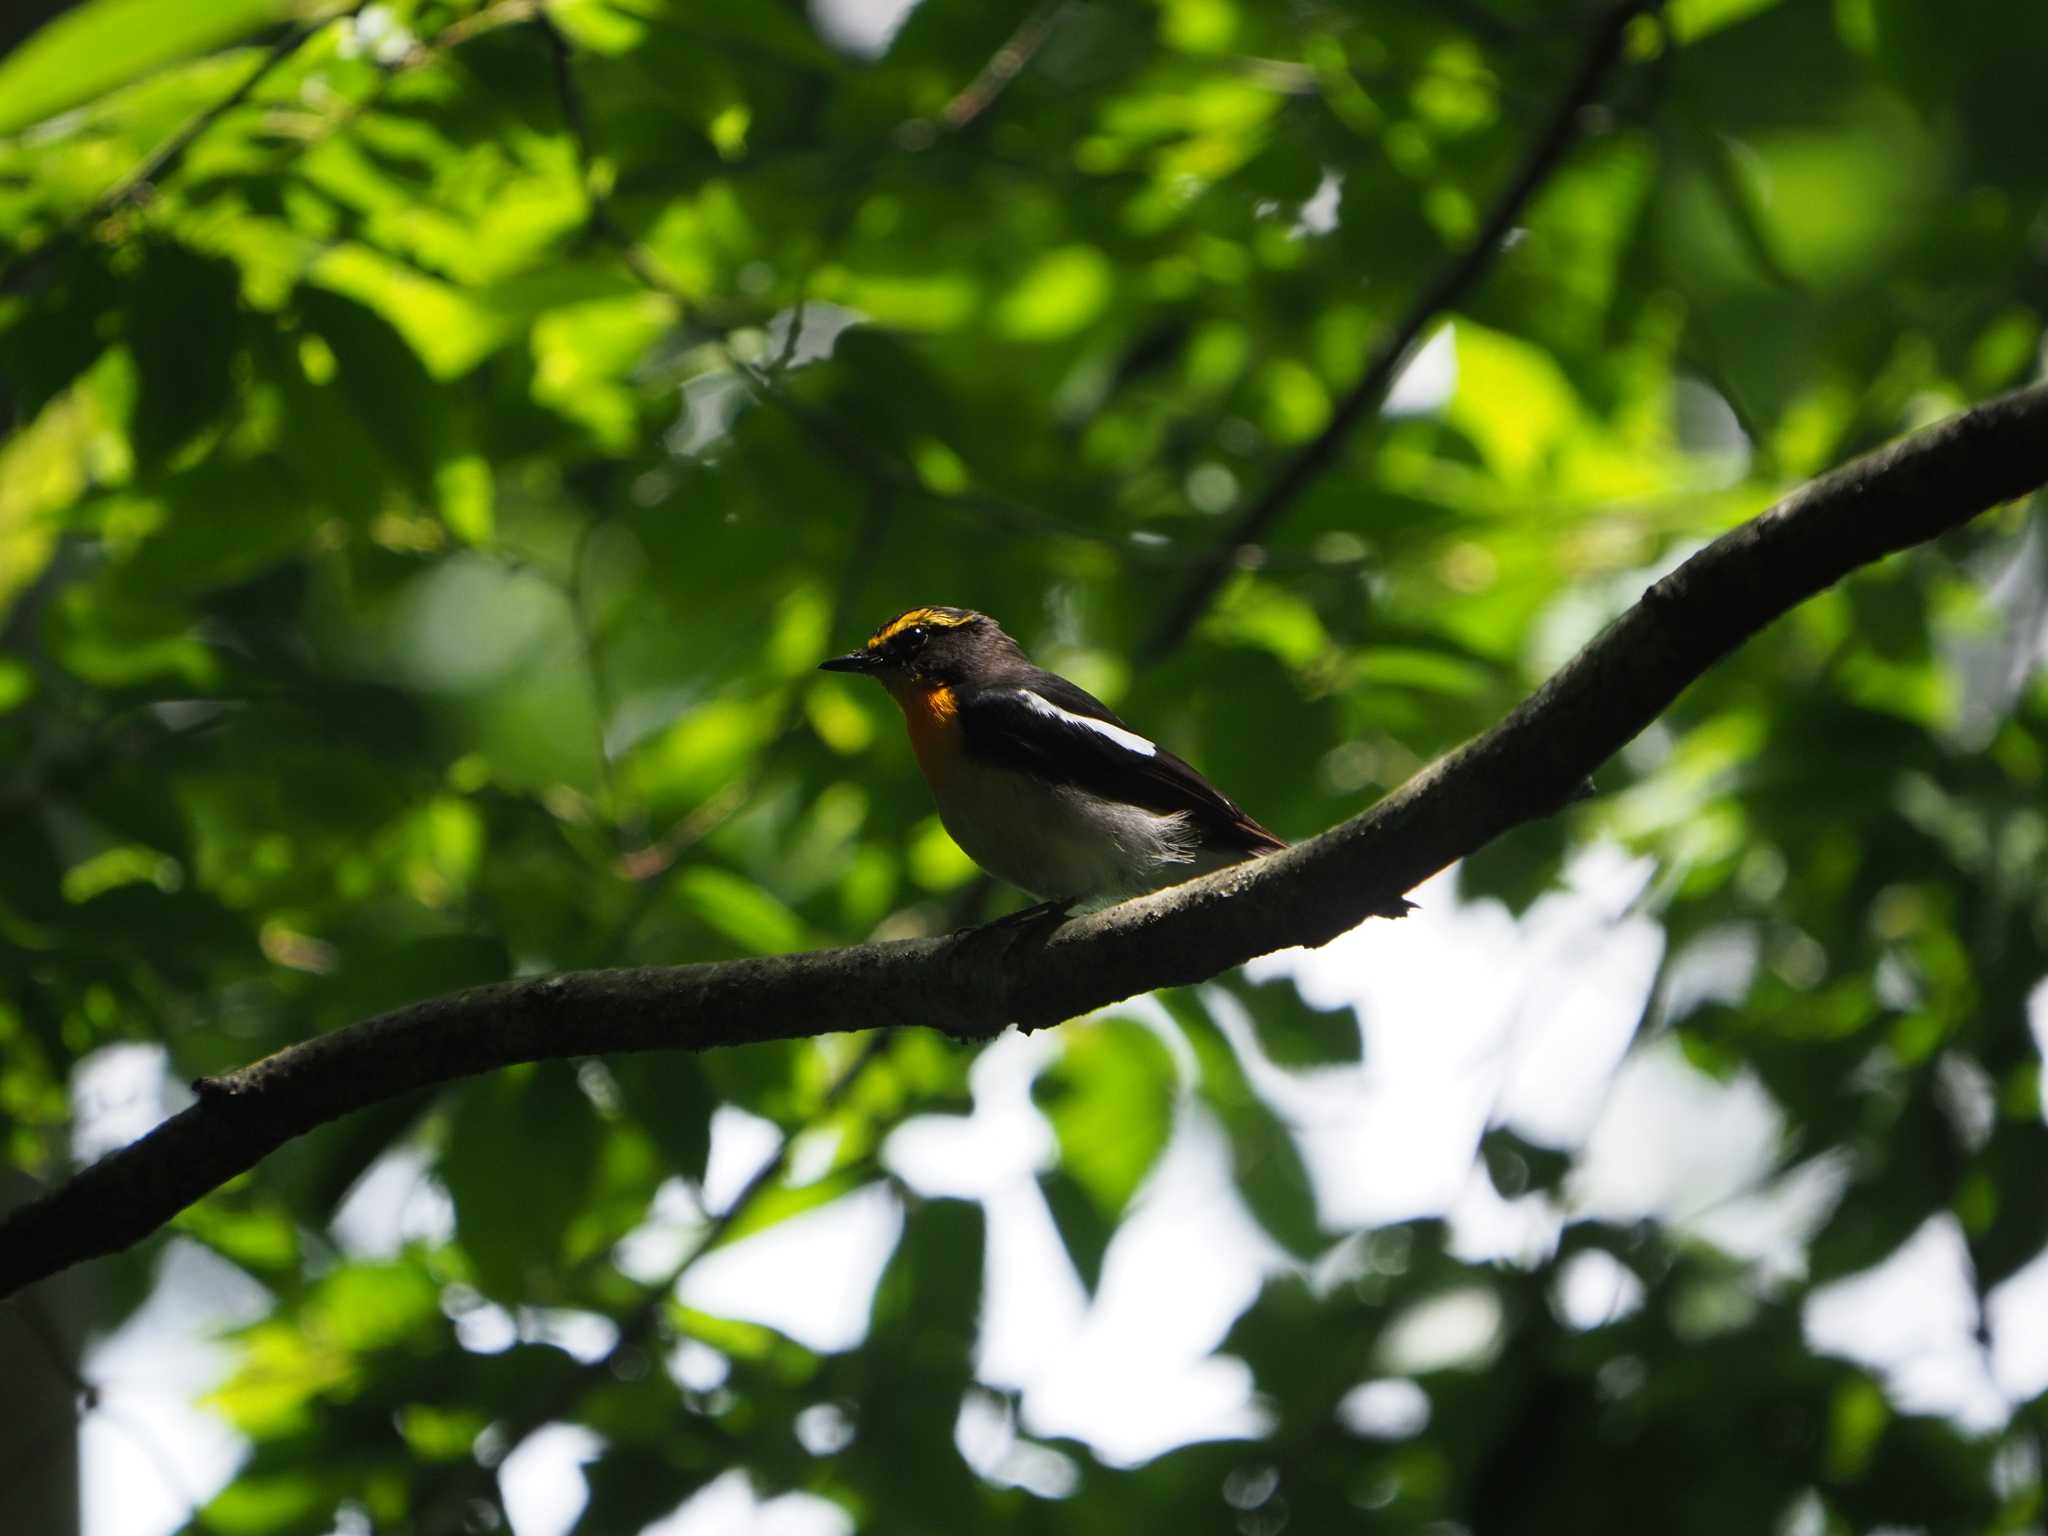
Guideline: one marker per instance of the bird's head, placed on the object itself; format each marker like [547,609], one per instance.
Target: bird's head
[928,647]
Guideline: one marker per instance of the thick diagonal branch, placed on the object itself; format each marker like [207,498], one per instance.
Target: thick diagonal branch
[975,983]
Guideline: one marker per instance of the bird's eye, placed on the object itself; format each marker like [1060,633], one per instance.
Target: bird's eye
[915,637]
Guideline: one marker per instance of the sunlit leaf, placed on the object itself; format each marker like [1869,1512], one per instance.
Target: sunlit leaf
[107,43]
[1110,1100]
[739,909]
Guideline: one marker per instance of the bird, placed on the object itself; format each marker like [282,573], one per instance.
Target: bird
[1036,779]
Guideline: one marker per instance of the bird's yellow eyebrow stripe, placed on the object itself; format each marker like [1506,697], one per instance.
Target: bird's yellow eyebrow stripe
[930,617]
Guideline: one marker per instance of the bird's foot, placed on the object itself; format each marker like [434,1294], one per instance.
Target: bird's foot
[1048,912]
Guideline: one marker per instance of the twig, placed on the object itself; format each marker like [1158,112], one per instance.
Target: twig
[1603,52]
[1003,66]
[490,18]
[1529,766]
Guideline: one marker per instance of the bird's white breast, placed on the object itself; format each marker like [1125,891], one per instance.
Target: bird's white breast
[1060,843]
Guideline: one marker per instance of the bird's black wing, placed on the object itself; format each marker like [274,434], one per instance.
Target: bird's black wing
[1049,728]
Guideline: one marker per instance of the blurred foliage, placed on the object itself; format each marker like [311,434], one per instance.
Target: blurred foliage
[423,501]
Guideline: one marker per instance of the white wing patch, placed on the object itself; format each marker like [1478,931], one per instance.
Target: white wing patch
[1130,741]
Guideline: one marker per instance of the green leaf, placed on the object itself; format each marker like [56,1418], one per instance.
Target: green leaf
[512,1210]
[1264,1160]
[182,325]
[1079,1218]
[410,420]
[1110,1098]
[1692,20]
[1065,290]
[1517,867]
[450,330]
[364,1307]
[632,1488]
[780,1202]
[914,1368]
[2008,1228]
[741,910]
[266,1504]
[1292,1031]
[95,47]
[260,1238]
[585,356]
[1518,1166]
[668,1093]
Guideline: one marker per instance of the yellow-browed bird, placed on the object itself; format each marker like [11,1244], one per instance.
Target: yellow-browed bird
[1036,779]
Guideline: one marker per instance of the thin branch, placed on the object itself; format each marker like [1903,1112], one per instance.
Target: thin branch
[1560,133]
[165,158]
[1003,66]
[1527,767]
[490,18]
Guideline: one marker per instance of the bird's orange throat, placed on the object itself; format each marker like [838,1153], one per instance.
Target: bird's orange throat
[933,715]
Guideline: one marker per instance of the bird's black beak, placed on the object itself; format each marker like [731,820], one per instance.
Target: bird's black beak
[852,661]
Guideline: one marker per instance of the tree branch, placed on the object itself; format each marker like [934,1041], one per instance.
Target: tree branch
[1560,133]
[974,983]
[1004,66]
